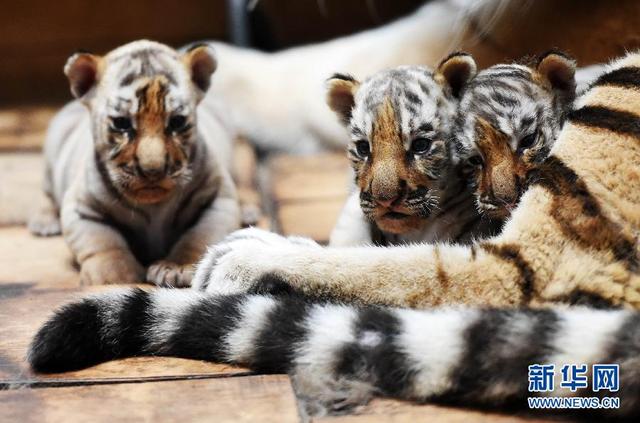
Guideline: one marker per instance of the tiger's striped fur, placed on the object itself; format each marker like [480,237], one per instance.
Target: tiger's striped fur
[136,172]
[573,238]
[340,355]
[409,184]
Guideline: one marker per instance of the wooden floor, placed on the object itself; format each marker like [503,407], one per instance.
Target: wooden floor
[300,196]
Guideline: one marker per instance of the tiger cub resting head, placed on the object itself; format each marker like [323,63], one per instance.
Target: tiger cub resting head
[509,117]
[137,176]
[400,121]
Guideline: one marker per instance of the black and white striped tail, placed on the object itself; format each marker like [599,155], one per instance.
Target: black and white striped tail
[340,355]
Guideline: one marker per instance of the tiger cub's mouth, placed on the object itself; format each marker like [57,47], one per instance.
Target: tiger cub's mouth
[151,193]
[395,215]
[405,214]
[398,220]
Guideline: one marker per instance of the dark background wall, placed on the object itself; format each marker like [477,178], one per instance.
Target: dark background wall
[36,36]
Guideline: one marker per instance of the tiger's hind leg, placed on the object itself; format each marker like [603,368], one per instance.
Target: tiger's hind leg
[46,220]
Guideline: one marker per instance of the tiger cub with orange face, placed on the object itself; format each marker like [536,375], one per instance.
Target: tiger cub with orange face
[136,172]
[409,182]
[509,116]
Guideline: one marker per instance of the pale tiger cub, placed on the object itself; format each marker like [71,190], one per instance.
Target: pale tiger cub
[508,119]
[136,172]
[573,238]
[410,186]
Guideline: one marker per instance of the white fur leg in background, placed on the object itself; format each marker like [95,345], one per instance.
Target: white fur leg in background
[303,123]
[45,222]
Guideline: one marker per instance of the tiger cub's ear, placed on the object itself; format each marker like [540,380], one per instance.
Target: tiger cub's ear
[558,70]
[341,91]
[83,71]
[456,70]
[201,62]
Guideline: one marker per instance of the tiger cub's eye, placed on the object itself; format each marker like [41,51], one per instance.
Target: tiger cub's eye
[527,142]
[362,147]
[475,161]
[177,123]
[420,145]
[121,124]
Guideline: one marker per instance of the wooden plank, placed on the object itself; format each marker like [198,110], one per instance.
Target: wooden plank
[263,399]
[36,45]
[393,411]
[24,128]
[24,308]
[322,176]
[313,219]
[308,193]
[45,262]
[20,186]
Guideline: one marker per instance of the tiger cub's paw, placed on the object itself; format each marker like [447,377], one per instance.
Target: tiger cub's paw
[111,267]
[245,258]
[45,222]
[170,275]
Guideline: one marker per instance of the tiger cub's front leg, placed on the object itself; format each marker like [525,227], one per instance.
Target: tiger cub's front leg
[100,249]
[45,221]
[220,219]
[111,267]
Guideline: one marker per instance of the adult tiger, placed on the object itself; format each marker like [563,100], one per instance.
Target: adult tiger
[140,178]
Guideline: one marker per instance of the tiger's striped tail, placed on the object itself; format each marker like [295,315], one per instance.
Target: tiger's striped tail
[340,355]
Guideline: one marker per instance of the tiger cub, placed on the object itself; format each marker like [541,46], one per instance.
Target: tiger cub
[574,238]
[136,172]
[508,119]
[409,182]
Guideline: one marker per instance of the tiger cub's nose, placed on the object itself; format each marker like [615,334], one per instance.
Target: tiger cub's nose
[387,202]
[389,196]
[152,157]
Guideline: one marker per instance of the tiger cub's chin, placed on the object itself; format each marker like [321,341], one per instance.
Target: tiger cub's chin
[151,191]
[398,223]
[153,194]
